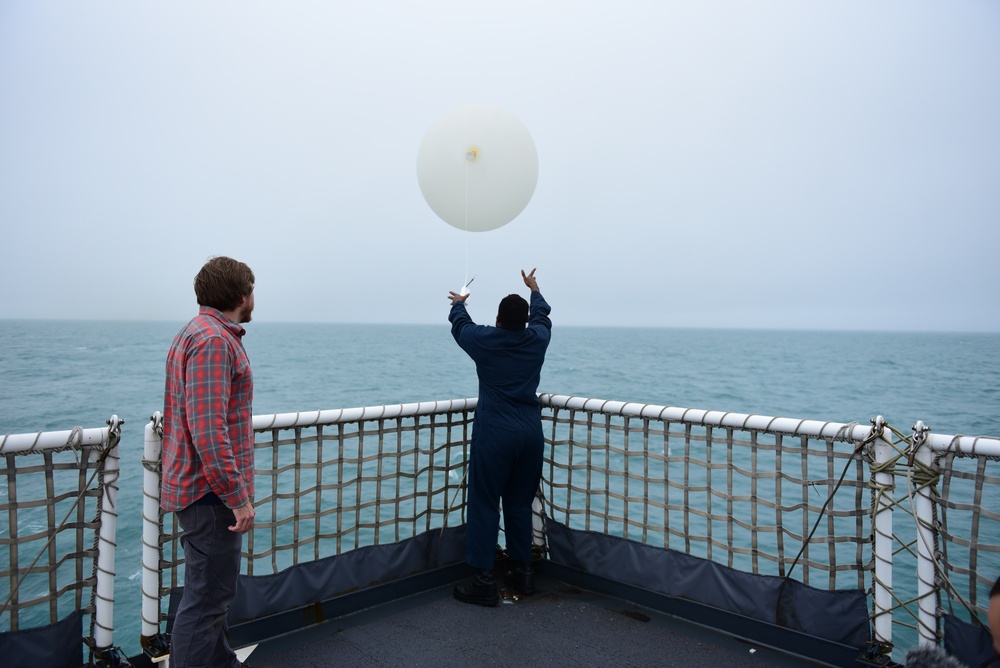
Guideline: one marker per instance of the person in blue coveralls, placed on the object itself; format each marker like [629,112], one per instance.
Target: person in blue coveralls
[505,464]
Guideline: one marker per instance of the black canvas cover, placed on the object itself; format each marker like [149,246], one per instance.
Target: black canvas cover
[840,616]
[971,644]
[316,581]
[58,645]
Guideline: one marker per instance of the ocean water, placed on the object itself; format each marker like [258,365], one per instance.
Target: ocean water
[55,375]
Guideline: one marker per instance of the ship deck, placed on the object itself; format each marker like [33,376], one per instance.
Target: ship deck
[560,625]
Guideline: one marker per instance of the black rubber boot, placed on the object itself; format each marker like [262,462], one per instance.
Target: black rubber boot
[521,578]
[481,589]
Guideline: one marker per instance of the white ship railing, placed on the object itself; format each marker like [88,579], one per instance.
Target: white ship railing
[854,547]
[945,469]
[78,545]
[776,496]
[773,507]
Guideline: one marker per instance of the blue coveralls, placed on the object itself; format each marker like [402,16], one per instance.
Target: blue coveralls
[507,442]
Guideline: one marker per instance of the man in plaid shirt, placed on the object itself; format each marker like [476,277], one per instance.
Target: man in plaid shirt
[208,465]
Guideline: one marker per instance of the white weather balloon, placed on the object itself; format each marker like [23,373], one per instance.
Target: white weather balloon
[477,168]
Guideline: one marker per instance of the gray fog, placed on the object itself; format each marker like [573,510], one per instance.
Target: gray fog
[784,164]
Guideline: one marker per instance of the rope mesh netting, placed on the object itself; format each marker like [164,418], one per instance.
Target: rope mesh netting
[324,489]
[744,498]
[967,508]
[759,495]
[54,500]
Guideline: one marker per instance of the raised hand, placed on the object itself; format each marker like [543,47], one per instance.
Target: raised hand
[455,297]
[529,280]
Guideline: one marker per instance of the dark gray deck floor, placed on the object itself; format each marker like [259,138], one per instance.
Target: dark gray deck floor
[559,626]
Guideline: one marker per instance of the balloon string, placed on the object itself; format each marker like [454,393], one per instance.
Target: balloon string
[466,224]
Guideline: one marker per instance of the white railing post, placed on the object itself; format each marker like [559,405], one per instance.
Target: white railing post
[152,446]
[104,603]
[923,509]
[884,485]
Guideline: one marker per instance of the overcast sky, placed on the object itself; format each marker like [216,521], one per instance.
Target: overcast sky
[763,164]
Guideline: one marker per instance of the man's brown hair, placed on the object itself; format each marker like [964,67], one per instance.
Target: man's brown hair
[223,283]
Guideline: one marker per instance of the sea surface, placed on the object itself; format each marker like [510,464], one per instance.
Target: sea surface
[55,375]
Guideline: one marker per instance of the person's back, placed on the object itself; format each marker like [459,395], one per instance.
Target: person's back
[507,442]
[508,364]
[193,458]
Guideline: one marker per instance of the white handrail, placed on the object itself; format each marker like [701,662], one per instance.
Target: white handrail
[104,604]
[882,550]
[52,440]
[152,445]
[776,425]
[987,446]
[923,510]
[338,415]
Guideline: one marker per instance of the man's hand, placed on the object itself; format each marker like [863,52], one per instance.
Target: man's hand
[455,297]
[244,518]
[529,280]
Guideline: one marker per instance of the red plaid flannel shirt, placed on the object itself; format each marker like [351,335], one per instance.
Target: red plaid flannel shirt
[207,415]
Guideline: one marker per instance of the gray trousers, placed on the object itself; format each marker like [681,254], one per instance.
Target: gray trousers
[211,570]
